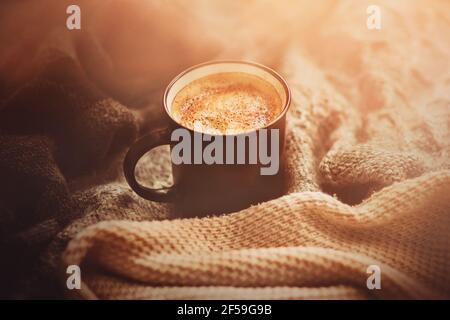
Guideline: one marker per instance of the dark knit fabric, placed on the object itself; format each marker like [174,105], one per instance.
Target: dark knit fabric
[55,128]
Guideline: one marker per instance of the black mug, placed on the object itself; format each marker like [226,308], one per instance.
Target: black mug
[215,188]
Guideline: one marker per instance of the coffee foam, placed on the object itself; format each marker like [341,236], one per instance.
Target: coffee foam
[229,102]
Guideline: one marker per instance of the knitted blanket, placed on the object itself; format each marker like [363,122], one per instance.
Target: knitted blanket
[367,176]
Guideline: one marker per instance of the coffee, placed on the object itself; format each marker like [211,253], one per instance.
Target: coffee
[228,102]
[225,173]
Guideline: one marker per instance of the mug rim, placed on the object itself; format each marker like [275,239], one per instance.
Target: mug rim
[272,72]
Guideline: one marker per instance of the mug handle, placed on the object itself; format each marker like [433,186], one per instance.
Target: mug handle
[140,147]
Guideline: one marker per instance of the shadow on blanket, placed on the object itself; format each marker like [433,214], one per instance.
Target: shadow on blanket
[54,128]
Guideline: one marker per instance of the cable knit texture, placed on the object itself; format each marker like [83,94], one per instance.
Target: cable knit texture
[368,178]
[368,154]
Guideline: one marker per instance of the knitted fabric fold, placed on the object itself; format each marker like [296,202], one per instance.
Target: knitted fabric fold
[367,170]
[303,240]
[367,152]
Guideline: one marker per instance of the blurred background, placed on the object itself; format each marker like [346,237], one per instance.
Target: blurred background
[132,48]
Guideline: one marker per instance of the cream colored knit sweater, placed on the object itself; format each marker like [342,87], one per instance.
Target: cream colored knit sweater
[370,126]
